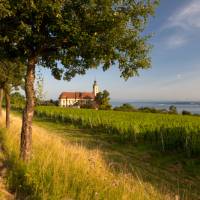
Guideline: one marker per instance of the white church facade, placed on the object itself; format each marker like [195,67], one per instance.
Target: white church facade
[68,99]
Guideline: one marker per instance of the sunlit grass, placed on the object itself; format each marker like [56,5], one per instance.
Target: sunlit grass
[59,170]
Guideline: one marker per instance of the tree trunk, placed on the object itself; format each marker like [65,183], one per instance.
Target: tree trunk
[26,132]
[7,96]
[1,99]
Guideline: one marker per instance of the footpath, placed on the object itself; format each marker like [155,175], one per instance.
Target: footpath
[4,193]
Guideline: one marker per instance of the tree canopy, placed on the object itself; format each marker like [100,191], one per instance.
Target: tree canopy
[79,34]
[71,36]
[125,107]
[11,76]
[173,109]
[103,100]
[17,100]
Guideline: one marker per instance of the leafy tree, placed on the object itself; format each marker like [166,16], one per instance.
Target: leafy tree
[17,100]
[153,110]
[173,110]
[50,102]
[125,107]
[11,76]
[103,100]
[88,105]
[70,37]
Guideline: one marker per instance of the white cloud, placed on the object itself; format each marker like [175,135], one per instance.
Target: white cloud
[179,76]
[176,41]
[188,17]
[185,23]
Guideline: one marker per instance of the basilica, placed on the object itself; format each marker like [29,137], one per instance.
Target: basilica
[70,99]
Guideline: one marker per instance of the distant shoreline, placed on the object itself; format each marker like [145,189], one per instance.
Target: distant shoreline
[191,106]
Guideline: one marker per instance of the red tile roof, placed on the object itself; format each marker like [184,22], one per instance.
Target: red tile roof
[76,95]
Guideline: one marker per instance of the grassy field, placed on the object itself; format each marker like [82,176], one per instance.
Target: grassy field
[166,132]
[66,169]
[154,173]
[168,172]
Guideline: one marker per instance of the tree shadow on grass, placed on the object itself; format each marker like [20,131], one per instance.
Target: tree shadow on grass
[168,172]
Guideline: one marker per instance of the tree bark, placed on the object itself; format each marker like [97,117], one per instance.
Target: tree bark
[1,100]
[7,96]
[26,132]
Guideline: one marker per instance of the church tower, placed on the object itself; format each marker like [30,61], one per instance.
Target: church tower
[95,88]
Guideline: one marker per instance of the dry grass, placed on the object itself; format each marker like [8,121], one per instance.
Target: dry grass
[62,171]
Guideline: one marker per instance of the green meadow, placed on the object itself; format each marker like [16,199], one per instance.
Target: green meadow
[89,154]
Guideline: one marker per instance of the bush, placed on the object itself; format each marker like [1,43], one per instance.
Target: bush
[152,110]
[125,107]
[185,112]
[173,110]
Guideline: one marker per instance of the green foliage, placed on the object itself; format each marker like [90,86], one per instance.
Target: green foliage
[185,112]
[79,34]
[130,108]
[50,102]
[125,107]
[173,110]
[103,100]
[166,132]
[17,99]
[152,110]
[88,105]
[4,10]
[11,74]
[11,77]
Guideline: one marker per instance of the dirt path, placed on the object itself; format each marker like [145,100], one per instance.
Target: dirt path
[4,193]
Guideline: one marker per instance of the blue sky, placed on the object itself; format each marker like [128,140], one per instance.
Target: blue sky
[175,72]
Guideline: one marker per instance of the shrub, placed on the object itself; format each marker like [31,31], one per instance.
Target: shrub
[185,112]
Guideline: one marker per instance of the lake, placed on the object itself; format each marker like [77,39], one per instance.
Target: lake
[192,106]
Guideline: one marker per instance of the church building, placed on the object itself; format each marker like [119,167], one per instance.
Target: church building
[67,99]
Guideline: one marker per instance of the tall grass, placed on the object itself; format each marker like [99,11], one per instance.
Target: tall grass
[59,170]
[167,132]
